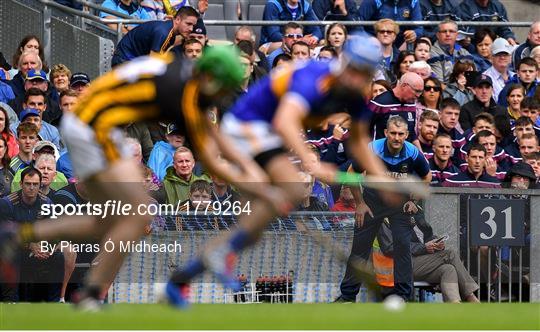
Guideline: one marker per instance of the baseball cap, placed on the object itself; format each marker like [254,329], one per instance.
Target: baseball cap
[501,45]
[79,78]
[172,129]
[43,144]
[199,28]
[462,35]
[34,74]
[28,112]
[483,79]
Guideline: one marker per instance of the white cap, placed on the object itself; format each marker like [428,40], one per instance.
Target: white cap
[41,144]
[501,45]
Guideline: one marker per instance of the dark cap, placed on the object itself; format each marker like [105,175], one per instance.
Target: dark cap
[173,129]
[523,169]
[483,79]
[79,78]
[199,28]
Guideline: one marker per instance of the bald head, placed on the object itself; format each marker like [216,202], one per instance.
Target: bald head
[410,87]
[534,34]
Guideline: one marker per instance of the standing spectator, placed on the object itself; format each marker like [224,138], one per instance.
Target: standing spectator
[329,141]
[422,49]
[5,175]
[27,61]
[475,175]
[432,96]
[68,99]
[246,33]
[483,102]
[527,72]
[427,129]
[180,176]
[386,31]
[12,149]
[27,138]
[300,51]
[60,75]
[487,11]
[524,50]
[514,96]
[438,10]
[400,11]
[335,10]
[193,48]
[457,86]
[446,52]
[79,82]
[499,72]
[289,10]
[441,164]
[155,36]
[161,156]
[449,116]
[292,32]
[127,7]
[483,43]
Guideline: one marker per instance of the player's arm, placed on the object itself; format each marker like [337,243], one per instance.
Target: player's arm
[361,151]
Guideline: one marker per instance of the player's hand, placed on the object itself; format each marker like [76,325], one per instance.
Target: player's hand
[338,132]
[202,6]
[410,207]
[491,166]
[342,119]
[360,213]
[410,36]
[326,172]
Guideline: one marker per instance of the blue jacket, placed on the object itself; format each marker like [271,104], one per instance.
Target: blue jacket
[515,79]
[449,9]
[6,93]
[160,158]
[397,10]
[522,51]
[277,10]
[494,12]
[47,132]
[325,11]
[64,165]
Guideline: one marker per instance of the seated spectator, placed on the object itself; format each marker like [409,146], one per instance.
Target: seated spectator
[335,10]
[457,87]
[475,175]
[487,11]
[67,100]
[503,131]
[310,202]
[199,32]
[46,131]
[524,50]
[32,44]
[60,75]
[378,87]
[497,163]
[154,36]
[27,61]
[522,126]
[403,62]
[533,159]
[422,49]
[427,129]
[432,96]
[192,49]
[527,72]
[27,138]
[198,199]
[528,144]
[374,10]
[12,148]
[180,176]
[127,7]
[483,121]
[5,175]
[161,156]
[445,52]
[44,147]
[438,10]
[140,132]
[530,107]
[514,97]
[345,202]
[292,32]
[421,68]
[386,32]
[482,44]
[521,176]
[483,102]
[499,72]
[156,10]
[246,33]
[222,191]
[249,57]
[449,121]
[441,164]
[535,54]
[280,60]
[329,142]
[300,51]
[79,82]
[46,165]
[327,53]
[153,186]
[320,190]
[289,10]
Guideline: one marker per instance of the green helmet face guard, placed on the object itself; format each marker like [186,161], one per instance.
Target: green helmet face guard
[223,64]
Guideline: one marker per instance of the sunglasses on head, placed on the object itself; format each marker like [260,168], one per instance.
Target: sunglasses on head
[432,88]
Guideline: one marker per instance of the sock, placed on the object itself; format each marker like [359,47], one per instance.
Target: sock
[26,233]
[239,240]
[192,269]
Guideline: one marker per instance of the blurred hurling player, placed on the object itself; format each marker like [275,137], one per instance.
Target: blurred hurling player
[267,122]
[145,89]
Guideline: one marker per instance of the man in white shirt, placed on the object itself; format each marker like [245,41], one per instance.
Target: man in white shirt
[499,71]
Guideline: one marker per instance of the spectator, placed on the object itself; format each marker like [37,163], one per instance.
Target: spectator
[27,138]
[155,36]
[487,11]
[310,202]
[530,107]
[404,95]
[289,10]
[499,72]
[300,51]
[345,202]
[432,96]
[155,8]
[327,53]
[222,191]
[528,143]
[483,43]
[533,159]
[421,68]
[483,121]
[249,57]
[292,32]
[458,87]
[12,149]
[161,156]
[5,175]
[60,75]
[140,132]
[46,131]
[521,176]
[281,59]
[336,35]
[27,61]
[126,7]
[6,92]
[180,176]
[46,165]
[43,147]
[32,44]
[527,72]
[524,50]
[329,142]
[199,199]
[386,31]
[400,11]
[422,49]
[496,162]
[378,87]
[335,10]
[441,164]
[68,100]
[438,10]
[514,97]
[475,175]
[402,64]
[193,48]
[503,131]
[427,129]
[535,54]
[199,32]
[483,102]
[449,121]
[321,190]
[153,186]
[445,53]
[246,33]
[79,82]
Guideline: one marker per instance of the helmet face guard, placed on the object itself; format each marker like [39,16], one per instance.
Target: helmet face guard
[362,52]
[222,66]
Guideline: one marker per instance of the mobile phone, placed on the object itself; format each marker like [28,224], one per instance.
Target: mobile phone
[471,77]
[442,239]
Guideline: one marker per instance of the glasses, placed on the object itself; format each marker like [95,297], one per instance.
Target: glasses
[386,32]
[294,35]
[432,88]
[417,92]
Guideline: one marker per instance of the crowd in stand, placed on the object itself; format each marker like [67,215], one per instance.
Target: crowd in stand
[474,111]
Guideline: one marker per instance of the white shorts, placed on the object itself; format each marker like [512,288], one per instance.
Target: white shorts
[250,137]
[86,154]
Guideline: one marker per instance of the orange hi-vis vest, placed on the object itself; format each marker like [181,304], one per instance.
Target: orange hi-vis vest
[383,265]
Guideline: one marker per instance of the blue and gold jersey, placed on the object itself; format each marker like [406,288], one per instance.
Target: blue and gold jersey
[153,36]
[310,83]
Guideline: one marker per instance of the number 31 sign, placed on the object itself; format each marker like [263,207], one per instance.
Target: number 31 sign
[498,222]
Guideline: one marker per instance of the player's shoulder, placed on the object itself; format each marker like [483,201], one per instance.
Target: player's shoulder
[385,99]
[411,150]
[377,146]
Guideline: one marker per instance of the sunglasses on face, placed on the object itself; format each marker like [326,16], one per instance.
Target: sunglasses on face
[386,32]
[428,88]
[294,35]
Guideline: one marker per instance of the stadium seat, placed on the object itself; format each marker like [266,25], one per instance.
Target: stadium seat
[220,10]
[253,10]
